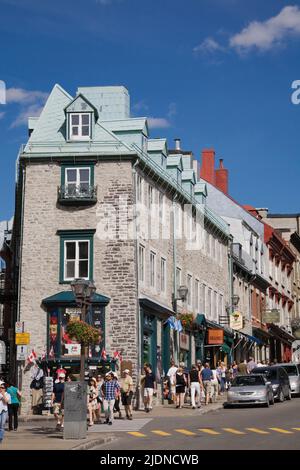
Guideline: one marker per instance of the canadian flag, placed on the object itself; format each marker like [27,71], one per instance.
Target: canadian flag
[103,354]
[32,357]
[117,355]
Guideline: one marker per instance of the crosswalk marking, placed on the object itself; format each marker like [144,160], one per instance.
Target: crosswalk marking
[282,431]
[137,434]
[186,432]
[209,431]
[161,433]
[233,431]
[258,431]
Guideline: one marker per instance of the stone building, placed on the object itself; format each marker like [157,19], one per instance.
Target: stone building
[99,199]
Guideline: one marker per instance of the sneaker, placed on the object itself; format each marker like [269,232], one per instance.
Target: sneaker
[130,417]
[107,420]
[61,427]
[194,407]
[147,410]
[110,423]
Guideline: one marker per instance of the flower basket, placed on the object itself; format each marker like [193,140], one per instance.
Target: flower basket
[84,333]
[187,320]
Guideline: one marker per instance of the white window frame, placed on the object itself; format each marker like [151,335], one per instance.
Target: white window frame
[189,281]
[196,295]
[163,274]
[77,182]
[141,266]
[76,259]
[203,305]
[151,196]
[139,189]
[152,272]
[79,136]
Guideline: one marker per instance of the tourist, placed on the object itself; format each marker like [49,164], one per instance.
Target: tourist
[13,406]
[180,387]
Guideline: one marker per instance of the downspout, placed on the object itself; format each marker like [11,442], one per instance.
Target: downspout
[139,338]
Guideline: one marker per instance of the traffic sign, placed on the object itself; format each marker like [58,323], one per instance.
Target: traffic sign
[22,353]
[22,338]
[19,327]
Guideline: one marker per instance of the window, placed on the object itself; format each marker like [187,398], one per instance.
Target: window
[215,306]
[189,286]
[213,247]
[203,299]
[152,268]
[163,274]
[76,254]
[221,306]
[197,295]
[77,181]
[141,269]
[209,302]
[139,189]
[150,196]
[80,126]
[161,202]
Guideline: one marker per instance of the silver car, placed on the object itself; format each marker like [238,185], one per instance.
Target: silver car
[251,389]
[293,371]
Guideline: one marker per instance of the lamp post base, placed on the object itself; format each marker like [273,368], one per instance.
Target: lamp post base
[75,410]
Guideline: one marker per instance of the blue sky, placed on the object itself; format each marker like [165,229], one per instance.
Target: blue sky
[216,73]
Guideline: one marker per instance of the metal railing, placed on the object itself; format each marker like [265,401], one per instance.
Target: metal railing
[78,192]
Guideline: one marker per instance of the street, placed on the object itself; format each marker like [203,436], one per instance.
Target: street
[276,428]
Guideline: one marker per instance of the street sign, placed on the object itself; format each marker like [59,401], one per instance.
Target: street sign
[19,328]
[236,321]
[22,338]
[215,336]
[184,341]
[22,353]
[2,353]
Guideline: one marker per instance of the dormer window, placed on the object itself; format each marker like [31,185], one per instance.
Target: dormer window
[80,126]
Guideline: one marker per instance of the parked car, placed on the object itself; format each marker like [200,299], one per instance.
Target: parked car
[251,389]
[293,371]
[279,380]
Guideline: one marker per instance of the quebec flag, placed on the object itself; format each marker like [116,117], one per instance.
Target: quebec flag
[178,326]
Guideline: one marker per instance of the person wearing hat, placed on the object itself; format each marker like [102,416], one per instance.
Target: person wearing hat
[110,390]
[92,400]
[118,396]
[58,400]
[4,402]
[127,393]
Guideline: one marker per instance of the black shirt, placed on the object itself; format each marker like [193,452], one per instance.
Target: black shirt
[194,376]
[58,390]
[149,380]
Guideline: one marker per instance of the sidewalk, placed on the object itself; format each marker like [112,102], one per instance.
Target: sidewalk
[39,432]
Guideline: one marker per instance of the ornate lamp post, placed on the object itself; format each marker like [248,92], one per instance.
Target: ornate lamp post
[83,291]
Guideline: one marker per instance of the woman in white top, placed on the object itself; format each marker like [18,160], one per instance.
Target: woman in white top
[4,401]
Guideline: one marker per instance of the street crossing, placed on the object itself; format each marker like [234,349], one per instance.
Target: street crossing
[216,432]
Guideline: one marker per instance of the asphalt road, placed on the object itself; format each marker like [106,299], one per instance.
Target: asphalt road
[277,427]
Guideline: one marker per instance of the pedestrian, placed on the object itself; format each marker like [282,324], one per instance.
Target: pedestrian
[195,384]
[58,400]
[214,386]
[99,397]
[117,396]
[172,379]
[180,387]
[221,372]
[109,389]
[13,406]
[92,400]
[251,365]
[234,369]
[242,368]
[4,402]
[150,388]
[127,393]
[207,377]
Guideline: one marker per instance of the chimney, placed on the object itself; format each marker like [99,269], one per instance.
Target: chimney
[222,178]
[207,171]
[177,144]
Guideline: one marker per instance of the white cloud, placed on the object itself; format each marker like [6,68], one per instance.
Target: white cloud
[208,46]
[158,123]
[141,106]
[268,34]
[31,103]
[172,111]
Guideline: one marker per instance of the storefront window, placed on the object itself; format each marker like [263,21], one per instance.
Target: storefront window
[69,346]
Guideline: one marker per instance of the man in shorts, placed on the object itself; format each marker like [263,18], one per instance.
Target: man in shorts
[150,388]
[58,400]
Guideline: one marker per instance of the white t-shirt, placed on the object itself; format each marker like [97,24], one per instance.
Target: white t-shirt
[3,405]
[172,374]
[215,376]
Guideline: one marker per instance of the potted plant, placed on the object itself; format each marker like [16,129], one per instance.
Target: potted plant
[187,320]
[84,333]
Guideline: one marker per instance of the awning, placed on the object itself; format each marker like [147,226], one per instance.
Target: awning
[200,319]
[67,298]
[254,339]
[281,334]
[225,348]
[156,306]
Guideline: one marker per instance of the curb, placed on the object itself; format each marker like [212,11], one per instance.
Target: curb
[93,443]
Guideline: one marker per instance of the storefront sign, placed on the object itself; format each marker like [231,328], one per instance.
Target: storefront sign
[215,336]
[296,328]
[184,341]
[271,316]
[22,353]
[22,338]
[236,321]
[2,353]
[72,349]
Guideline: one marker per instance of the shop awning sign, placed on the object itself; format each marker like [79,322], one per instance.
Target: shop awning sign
[215,336]
[236,321]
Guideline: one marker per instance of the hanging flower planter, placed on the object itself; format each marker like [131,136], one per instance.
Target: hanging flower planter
[83,333]
[187,320]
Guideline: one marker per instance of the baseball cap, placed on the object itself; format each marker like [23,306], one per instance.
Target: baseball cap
[126,371]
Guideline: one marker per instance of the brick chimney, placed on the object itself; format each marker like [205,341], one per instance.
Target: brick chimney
[207,171]
[222,177]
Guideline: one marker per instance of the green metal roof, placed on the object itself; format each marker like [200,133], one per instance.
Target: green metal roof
[67,297]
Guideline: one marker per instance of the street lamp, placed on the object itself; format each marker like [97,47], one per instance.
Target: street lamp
[83,291]
[182,293]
